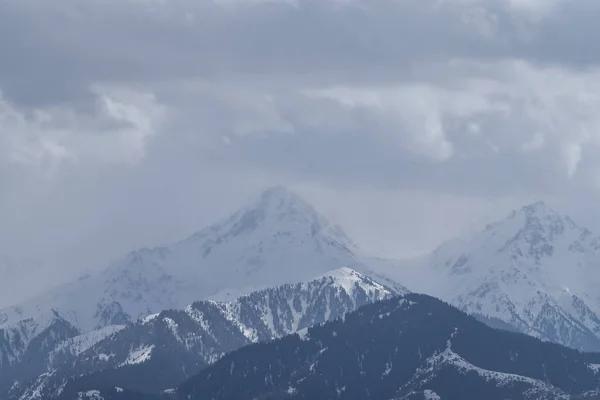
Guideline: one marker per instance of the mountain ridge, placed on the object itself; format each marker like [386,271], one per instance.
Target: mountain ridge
[412,347]
[534,270]
[161,350]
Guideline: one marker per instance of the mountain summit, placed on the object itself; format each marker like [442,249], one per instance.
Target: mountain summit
[539,232]
[535,270]
[277,217]
[276,239]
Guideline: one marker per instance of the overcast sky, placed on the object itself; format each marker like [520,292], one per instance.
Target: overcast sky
[126,123]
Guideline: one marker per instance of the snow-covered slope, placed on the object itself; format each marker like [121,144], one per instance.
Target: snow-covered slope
[275,240]
[26,347]
[536,270]
[278,239]
[447,360]
[162,350]
[407,348]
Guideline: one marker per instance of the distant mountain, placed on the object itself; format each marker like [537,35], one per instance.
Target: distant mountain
[277,239]
[162,350]
[411,347]
[534,272]
[537,271]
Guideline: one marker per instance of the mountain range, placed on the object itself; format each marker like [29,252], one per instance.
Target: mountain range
[405,348]
[277,267]
[161,350]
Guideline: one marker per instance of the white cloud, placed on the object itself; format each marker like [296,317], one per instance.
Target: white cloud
[44,139]
[139,115]
[481,21]
[538,140]
[572,156]
[500,103]
[414,113]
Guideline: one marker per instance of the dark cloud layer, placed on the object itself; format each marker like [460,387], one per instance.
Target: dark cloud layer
[129,123]
[54,50]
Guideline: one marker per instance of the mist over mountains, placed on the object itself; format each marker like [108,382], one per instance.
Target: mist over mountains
[146,255]
[277,267]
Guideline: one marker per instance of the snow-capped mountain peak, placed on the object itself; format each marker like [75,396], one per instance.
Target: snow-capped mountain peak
[278,215]
[535,235]
[541,225]
[277,239]
[537,207]
[278,198]
[536,270]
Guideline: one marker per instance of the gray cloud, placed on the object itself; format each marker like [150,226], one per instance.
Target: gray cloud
[56,50]
[130,123]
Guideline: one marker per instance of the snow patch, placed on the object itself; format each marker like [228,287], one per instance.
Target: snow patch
[594,367]
[448,357]
[138,356]
[81,343]
[150,318]
[431,395]
[303,334]
[105,357]
[90,395]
